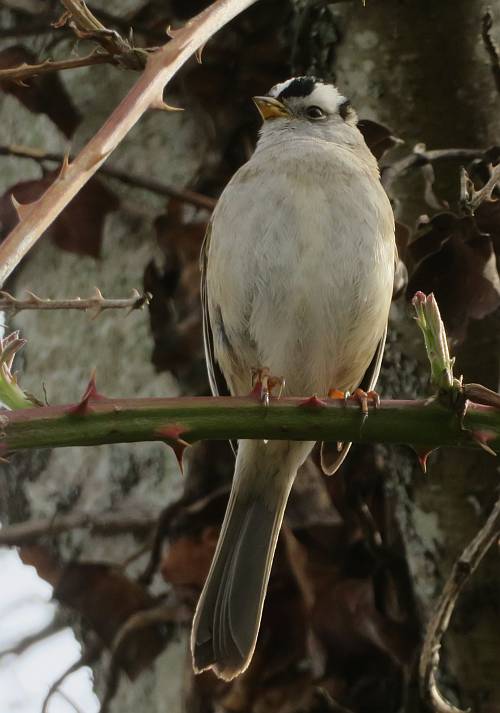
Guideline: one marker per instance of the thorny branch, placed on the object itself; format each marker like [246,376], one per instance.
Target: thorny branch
[113,49]
[192,197]
[146,94]
[461,573]
[95,304]
[97,420]
[26,71]
[491,46]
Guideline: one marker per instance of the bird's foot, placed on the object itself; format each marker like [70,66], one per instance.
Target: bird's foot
[263,384]
[363,398]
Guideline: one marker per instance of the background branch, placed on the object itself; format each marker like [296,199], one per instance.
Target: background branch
[462,572]
[420,156]
[192,197]
[57,623]
[491,47]
[106,524]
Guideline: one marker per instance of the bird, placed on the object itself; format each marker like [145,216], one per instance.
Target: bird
[297,271]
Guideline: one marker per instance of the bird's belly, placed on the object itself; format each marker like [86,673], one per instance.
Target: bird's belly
[306,286]
[318,316]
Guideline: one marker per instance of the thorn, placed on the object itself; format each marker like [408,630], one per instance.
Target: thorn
[423,454]
[64,167]
[171,436]
[33,298]
[90,394]
[22,209]
[100,158]
[313,402]
[199,53]
[161,105]
[482,438]
[172,33]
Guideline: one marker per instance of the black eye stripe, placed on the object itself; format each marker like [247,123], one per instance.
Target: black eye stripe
[344,109]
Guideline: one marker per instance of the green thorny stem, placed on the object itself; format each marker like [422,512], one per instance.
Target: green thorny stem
[96,420]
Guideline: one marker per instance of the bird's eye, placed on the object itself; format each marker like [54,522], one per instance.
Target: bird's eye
[314,112]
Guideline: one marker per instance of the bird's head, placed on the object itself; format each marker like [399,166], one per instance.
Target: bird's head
[309,107]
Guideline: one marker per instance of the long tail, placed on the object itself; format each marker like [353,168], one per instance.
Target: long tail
[227,618]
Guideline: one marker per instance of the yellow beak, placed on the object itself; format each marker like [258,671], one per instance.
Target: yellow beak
[270,108]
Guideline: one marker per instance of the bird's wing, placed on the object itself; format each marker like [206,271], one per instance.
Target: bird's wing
[218,384]
[333,454]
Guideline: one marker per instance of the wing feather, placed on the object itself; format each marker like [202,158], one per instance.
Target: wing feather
[218,384]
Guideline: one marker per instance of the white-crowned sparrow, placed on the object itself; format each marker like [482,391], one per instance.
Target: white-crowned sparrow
[297,276]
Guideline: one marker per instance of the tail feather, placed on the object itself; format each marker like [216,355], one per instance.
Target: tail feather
[229,611]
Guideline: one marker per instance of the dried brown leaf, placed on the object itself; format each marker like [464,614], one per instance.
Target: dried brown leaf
[379,138]
[79,227]
[456,261]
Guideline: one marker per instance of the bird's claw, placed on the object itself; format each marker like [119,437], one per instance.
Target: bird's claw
[363,398]
[263,384]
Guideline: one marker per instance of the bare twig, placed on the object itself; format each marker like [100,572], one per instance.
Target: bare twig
[420,157]
[147,93]
[105,524]
[86,26]
[461,573]
[430,196]
[112,681]
[53,627]
[165,613]
[491,46]
[95,304]
[192,197]
[470,199]
[88,657]
[26,71]
[69,700]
